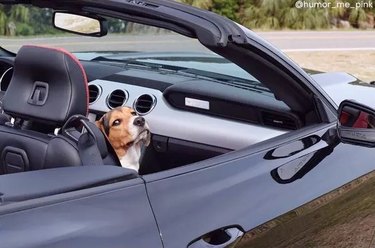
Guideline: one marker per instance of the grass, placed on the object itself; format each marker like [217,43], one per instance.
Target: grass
[361,64]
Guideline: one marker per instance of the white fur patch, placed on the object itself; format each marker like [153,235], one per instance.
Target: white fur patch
[131,158]
[133,154]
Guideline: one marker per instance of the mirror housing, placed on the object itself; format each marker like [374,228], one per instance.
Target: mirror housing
[88,25]
[356,124]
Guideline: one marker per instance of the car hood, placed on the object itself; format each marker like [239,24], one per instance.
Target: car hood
[341,86]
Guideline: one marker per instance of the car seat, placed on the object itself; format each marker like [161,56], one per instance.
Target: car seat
[48,90]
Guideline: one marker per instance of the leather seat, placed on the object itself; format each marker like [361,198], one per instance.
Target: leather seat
[48,87]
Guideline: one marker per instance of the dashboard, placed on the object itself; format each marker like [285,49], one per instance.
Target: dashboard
[165,120]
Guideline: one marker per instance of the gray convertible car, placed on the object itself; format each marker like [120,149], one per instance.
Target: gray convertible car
[247,148]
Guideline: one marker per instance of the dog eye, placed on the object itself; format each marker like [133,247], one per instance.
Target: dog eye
[133,113]
[116,123]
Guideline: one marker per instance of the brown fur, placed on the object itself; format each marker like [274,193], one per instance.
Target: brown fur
[118,136]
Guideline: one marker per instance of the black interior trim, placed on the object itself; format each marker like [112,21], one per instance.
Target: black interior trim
[166,153]
[229,101]
[148,83]
[95,70]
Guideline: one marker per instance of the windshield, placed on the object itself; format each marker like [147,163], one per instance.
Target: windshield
[23,24]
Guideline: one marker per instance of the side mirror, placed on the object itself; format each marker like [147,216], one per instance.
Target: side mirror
[356,124]
[80,24]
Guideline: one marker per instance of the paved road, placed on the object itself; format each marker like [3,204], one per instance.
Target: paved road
[295,41]
[333,40]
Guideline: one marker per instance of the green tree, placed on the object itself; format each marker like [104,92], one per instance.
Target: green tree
[228,8]
[278,14]
[10,16]
[19,13]
[357,16]
[204,4]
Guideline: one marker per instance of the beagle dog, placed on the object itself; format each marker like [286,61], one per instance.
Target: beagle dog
[127,132]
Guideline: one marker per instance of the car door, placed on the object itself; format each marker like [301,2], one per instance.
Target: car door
[112,215]
[218,201]
[343,217]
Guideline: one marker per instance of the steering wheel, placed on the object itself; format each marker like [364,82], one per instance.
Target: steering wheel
[4,83]
[2,93]
[3,117]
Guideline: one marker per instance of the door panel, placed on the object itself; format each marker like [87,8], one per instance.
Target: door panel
[118,215]
[344,217]
[244,192]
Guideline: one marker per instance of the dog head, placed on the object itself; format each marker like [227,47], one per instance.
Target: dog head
[124,128]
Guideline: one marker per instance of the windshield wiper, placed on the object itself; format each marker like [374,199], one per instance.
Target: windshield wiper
[237,82]
[136,62]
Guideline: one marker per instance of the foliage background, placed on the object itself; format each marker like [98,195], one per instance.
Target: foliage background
[20,20]
[256,14]
[282,14]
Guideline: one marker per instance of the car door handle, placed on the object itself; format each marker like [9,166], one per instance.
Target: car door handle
[218,239]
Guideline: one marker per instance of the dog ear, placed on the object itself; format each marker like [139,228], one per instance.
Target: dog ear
[99,124]
[103,124]
[148,139]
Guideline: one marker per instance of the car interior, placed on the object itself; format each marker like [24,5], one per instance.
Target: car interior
[49,106]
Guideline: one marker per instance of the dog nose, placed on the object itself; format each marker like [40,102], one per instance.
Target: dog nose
[139,121]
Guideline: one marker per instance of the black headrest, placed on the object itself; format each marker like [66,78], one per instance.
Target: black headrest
[48,85]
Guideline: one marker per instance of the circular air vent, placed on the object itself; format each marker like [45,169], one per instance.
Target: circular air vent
[94,93]
[117,98]
[144,104]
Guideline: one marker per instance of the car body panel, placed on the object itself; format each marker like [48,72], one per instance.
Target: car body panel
[341,86]
[343,217]
[243,192]
[117,215]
